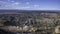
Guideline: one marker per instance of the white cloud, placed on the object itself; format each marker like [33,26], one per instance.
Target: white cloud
[12,1]
[20,7]
[27,2]
[8,0]
[26,7]
[2,2]
[9,5]
[16,3]
[36,5]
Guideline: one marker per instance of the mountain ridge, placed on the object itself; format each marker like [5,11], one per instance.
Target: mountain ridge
[29,11]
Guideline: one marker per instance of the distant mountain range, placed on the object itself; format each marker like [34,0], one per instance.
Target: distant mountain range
[29,11]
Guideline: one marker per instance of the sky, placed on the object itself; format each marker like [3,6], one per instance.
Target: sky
[30,4]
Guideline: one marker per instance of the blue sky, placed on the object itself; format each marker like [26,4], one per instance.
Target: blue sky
[30,4]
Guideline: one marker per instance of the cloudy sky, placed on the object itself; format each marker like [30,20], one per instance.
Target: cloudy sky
[30,4]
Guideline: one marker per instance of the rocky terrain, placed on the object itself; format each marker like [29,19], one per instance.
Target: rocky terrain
[30,22]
